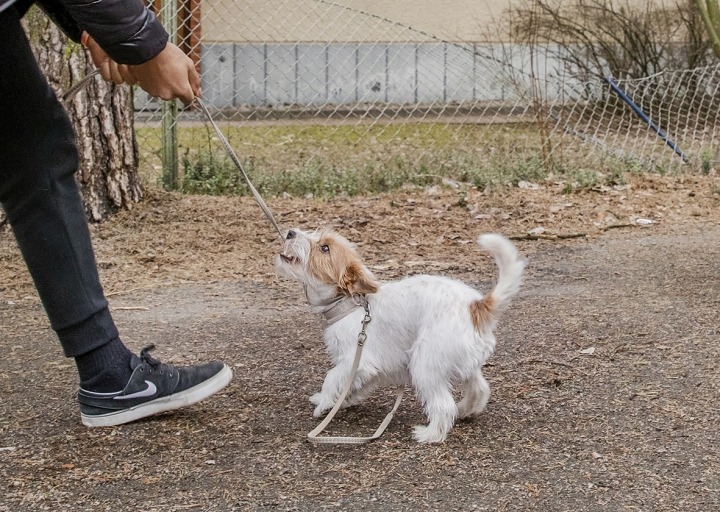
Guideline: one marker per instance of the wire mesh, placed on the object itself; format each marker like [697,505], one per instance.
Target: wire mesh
[321,86]
[674,121]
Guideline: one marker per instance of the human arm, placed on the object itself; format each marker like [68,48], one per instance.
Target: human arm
[171,74]
[128,44]
[128,32]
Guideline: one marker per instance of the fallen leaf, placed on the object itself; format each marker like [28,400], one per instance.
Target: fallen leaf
[528,185]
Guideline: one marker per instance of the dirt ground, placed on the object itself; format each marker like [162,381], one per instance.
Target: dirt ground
[605,379]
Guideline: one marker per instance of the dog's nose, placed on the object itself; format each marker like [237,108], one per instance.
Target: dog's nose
[291,234]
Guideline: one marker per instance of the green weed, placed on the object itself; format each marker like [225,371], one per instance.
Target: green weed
[337,160]
[209,174]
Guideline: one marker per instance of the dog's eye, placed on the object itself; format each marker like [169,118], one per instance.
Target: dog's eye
[325,248]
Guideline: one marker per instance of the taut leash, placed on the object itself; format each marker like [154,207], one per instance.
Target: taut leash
[236,161]
[75,88]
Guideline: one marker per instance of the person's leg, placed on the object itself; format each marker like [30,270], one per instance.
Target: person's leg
[38,191]
[38,161]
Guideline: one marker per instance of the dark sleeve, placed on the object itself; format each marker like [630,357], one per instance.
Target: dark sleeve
[127,30]
[57,13]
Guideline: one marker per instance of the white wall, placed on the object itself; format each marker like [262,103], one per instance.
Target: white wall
[313,20]
[280,21]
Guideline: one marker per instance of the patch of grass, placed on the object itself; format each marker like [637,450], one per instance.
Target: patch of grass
[709,159]
[214,174]
[329,160]
[210,174]
[580,181]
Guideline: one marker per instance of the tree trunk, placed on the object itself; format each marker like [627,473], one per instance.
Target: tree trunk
[102,114]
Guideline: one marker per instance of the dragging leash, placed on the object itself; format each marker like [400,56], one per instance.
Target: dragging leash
[313,436]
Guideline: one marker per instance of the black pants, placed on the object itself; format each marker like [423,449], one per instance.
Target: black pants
[38,161]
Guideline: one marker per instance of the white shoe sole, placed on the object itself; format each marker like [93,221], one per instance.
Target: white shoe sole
[167,403]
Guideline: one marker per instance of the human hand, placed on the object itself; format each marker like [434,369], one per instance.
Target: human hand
[169,75]
[110,70]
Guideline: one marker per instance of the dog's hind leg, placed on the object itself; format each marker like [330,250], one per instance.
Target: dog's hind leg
[435,392]
[441,411]
[476,393]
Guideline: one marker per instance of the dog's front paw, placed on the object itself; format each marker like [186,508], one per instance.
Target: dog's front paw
[323,403]
[423,434]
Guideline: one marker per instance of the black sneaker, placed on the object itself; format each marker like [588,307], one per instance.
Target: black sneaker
[154,387]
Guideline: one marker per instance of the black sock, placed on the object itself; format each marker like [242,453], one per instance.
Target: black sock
[105,369]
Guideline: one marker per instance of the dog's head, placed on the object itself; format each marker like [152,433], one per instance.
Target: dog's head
[324,259]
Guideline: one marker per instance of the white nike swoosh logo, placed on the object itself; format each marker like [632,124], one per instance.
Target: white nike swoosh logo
[149,391]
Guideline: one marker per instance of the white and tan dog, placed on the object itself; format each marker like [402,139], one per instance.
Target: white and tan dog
[429,331]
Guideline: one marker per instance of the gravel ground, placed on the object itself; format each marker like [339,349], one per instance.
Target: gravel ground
[604,381]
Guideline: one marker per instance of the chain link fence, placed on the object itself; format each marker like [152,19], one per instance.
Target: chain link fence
[660,121]
[315,88]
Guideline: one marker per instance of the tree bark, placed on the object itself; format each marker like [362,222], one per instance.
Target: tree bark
[102,114]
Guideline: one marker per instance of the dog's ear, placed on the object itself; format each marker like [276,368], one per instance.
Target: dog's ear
[358,280]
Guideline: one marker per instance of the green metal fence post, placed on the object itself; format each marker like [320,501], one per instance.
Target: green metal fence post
[170,176]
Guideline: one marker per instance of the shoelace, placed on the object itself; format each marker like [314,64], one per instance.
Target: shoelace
[145,357]
[155,364]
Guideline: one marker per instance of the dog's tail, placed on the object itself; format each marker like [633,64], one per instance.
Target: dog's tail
[485,312]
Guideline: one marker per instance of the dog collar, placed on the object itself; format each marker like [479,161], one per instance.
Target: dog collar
[338,307]
[342,307]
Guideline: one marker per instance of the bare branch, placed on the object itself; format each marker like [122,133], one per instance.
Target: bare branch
[625,39]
